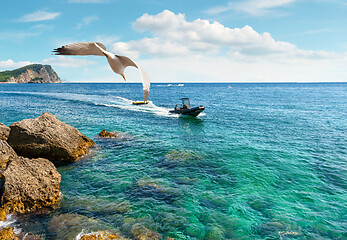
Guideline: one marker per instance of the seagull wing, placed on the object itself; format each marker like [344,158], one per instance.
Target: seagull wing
[126,62]
[145,83]
[144,76]
[88,48]
[117,63]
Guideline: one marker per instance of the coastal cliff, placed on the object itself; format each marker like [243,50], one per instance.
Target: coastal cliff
[34,73]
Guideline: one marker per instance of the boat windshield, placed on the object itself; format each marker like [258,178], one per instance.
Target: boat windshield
[186,102]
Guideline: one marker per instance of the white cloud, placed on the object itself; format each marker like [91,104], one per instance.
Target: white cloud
[10,64]
[201,50]
[221,69]
[164,21]
[68,61]
[39,16]
[86,21]
[202,37]
[177,50]
[252,7]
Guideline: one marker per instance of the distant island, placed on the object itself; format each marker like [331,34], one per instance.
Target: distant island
[34,73]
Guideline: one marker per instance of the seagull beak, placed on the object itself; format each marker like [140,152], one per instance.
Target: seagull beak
[124,77]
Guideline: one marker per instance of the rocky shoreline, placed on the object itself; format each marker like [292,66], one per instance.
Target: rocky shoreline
[29,152]
[33,73]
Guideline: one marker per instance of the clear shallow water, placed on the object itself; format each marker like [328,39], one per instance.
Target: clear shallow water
[264,161]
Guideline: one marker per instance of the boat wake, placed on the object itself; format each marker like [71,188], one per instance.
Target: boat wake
[149,108]
[105,100]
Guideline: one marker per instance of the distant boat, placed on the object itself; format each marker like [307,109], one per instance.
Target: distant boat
[229,87]
[140,102]
[169,85]
[180,85]
[185,109]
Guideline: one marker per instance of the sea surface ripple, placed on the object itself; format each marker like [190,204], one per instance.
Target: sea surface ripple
[264,161]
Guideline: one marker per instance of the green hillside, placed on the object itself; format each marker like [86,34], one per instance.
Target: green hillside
[5,75]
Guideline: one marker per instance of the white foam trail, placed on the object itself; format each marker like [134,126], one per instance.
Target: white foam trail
[148,108]
[108,101]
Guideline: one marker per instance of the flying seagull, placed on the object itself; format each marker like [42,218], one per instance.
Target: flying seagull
[117,63]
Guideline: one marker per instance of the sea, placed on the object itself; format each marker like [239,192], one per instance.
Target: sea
[263,161]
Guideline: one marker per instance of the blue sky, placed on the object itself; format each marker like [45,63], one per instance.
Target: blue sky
[182,41]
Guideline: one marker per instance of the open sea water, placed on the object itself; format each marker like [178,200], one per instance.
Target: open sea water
[264,161]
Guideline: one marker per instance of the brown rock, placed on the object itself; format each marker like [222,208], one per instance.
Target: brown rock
[106,134]
[2,215]
[48,137]
[103,235]
[7,234]
[29,184]
[6,154]
[142,233]
[4,132]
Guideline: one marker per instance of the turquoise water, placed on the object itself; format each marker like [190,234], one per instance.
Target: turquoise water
[264,161]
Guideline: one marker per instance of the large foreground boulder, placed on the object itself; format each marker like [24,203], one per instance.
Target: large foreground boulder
[48,137]
[6,154]
[4,131]
[29,184]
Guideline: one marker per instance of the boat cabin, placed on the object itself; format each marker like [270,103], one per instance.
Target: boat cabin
[185,108]
[185,104]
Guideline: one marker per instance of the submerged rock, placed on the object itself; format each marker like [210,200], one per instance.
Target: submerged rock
[145,183]
[67,226]
[28,236]
[6,154]
[261,204]
[179,157]
[146,187]
[103,235]
[48,137]
[142,233]
[29,184]
[106,134]
[4,132]
[214,232]
[196,230]
[7,234]
[278,229]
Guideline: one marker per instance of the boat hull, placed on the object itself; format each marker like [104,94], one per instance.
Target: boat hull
[191,112]
[140,102]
